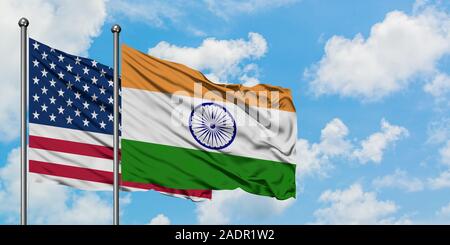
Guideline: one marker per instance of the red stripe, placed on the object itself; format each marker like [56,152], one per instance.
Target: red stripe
[71,147]
[104,177]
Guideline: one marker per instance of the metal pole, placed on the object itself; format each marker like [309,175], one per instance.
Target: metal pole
[116,30]
[23,23]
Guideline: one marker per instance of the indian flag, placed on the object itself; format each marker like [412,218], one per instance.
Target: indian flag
[180,130]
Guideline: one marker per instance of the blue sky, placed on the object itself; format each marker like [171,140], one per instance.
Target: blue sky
[371,85]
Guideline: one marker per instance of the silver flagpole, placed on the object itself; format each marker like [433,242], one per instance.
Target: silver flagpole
[116,30]
[23,23]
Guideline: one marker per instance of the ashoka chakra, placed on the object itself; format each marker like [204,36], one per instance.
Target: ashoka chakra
[212,126]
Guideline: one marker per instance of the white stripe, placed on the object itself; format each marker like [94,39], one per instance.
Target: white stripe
[96,186]
[71,135]
[163,119]
[68,159]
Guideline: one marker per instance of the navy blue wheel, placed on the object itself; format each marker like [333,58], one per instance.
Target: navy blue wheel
[212,126]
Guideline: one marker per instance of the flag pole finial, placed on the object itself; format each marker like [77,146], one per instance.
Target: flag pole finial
[24,22]
[116,28]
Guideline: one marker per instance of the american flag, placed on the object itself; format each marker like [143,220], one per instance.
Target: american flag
[71,123]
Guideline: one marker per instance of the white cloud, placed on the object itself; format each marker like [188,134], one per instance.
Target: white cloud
[354,206]
[439,131]
[442,181]
[445,153]
[372,148]
[399,179]
[233,206]
[154,13]
[439,86]
[67,25]
[160,219]
[49,203]
[396,50]
[219,68]
[229,8]
[314,159]
[444,211]
[333,140]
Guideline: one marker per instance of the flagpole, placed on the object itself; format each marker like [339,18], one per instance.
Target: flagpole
[116,30]
[23,23]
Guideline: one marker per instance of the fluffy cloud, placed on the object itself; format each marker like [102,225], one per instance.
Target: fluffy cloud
[49,203]
[439,86]
[154,13]
[441,181]
[399,179]
[354,206]
[396,50]
[160,219]
[439,131]
[67,25]
[373,147]
[315,158]
[444,211]
[229,65]
[228,8]
[228,207]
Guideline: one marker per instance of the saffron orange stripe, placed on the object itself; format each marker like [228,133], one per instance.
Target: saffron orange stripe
[142,71]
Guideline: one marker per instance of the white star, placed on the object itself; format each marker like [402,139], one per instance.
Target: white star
[44,73]
[102,107]
[60,92]
[60,110]
[52,66]
[35,63]
[110,100]
[85,122]
[69,102]
[85,70]
[52,50]
[77,60]
[94,97]
[69,68]
[69,85]
[69,120]
[60,58]
[110,117]
[103,72]
[86,105]
[52,83]
[77,78]
[61,75]
[77,95]
[94,80]
[77,112]
[94,115]
[36,115]
[86,88]
[35,80]
[44,55]
[110,83]
[102,90]
[52,117]
[102,124]
[120,92]
[44,90]
[36,45]
[44,107]
[52,100]
[94,63]
[35,97]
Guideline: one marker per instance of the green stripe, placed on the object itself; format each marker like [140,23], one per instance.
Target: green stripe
[182,168]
